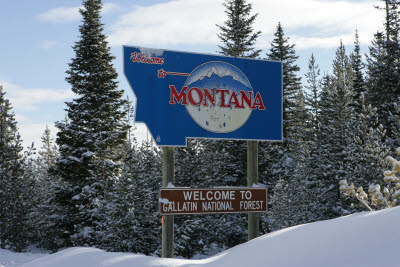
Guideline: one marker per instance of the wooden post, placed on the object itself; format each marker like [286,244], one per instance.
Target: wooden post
[167,243]
[252,178]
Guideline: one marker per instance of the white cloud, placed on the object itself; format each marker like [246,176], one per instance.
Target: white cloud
[70,14]
[109,7]
[61,15]
[325,42]
[29,99]
[193,22]
[318,23]
[46,44]
[20,118]
[176,22]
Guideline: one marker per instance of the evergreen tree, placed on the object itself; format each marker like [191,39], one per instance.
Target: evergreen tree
[15,182]
[293,98]
[43,215]
[281,167]
[48,153]
[293,201]
[367,150]
[131,220]
[357,65]
[237,35]
[334,135]
[90,143]
[313,96]
[384,69]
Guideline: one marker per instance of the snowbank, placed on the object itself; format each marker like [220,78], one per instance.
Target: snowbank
[9,259]
[366,239]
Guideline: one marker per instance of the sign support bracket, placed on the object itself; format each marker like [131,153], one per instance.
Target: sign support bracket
[252,178]
[167,243]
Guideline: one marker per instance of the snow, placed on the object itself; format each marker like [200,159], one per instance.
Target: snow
[87,154]
[9,259]
[164,201]
[367,239]
[151,52]
[74,158]
[259,185]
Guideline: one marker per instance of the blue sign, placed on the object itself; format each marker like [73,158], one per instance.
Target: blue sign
[184,95]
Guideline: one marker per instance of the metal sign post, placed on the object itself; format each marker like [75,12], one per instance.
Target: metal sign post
[252,179]
[167,243]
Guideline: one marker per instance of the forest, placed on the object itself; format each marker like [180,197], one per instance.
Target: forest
[96,185]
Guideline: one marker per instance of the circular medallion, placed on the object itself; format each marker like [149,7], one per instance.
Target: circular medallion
[216,92]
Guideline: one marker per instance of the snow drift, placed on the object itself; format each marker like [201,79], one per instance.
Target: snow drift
[367,239]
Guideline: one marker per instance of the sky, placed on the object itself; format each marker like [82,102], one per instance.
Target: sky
[37,38]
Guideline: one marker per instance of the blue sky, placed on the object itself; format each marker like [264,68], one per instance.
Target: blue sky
[37,36]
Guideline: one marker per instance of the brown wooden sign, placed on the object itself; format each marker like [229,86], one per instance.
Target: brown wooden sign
[175,201]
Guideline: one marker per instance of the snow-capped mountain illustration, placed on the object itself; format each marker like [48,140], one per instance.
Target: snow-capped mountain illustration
[215,71]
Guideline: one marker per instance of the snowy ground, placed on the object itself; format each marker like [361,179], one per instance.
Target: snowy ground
[367,239]
[8,258]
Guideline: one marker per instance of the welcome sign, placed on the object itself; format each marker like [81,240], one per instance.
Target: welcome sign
[184,95]
[179,201]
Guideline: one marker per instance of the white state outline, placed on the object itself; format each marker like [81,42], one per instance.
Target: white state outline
[194,137]
[251,111]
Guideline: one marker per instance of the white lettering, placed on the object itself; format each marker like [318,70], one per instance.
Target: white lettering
[248,195]
[187,195]
[232,195]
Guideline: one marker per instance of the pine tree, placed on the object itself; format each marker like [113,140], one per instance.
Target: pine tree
[15,182]
[357,65]
[283,158]
[237,35]
[313,97]
[334,138]
[48,153]
[293,201]
[146,187]
[311,178]
[293,97]
[43,215]
[90,143]
[384,69]
[367,150]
